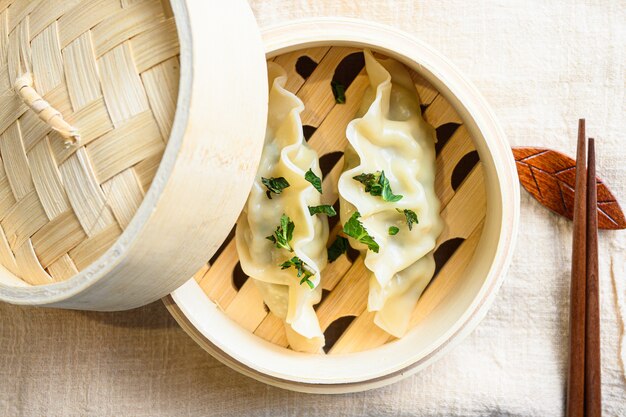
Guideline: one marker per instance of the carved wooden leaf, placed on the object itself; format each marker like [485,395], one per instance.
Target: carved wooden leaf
[550,177]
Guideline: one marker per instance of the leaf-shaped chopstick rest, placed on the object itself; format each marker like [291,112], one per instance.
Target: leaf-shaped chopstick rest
[549,176]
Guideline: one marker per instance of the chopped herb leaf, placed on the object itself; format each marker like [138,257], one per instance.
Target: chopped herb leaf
[370,181]
[303,270]
[411,217]
[354,228]
[387,194]
[337,248]
[308,282]
[297,263]
[314,180]
[339,91]
[323,209]
[393,230]
[274,185]
[378,185]
[283,234]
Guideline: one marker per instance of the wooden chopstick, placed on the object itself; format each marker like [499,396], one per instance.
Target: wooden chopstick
[593,394]
[576,371]
[584,394]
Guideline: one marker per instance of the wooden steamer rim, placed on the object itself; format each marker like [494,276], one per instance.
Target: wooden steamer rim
[167,239]
[261,360]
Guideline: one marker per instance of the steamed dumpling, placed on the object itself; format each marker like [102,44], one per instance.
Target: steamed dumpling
[286,155]
[392,138]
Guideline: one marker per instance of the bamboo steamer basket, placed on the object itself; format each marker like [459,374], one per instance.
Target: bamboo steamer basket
[123,157]
[476,182]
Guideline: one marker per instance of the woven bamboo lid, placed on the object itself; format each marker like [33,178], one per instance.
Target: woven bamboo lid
[89,92]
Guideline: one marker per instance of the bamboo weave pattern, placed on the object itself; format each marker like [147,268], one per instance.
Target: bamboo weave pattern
[111,69]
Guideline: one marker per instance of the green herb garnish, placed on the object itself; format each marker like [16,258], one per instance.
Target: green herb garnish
[378,185]
[274,185]
[314,180]
[308,282]
[339,91]
[393,230]
[411,217]
[370,181]
[354,228]
[323,209]
[337,248]
[283,234]
[303,269]
[387,194]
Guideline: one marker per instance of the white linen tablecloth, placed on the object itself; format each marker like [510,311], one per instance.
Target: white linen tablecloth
[541,65]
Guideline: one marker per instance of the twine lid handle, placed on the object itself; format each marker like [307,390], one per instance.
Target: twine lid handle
[24,88]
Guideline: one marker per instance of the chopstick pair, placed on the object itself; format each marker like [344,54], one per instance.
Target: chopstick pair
[583,385]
